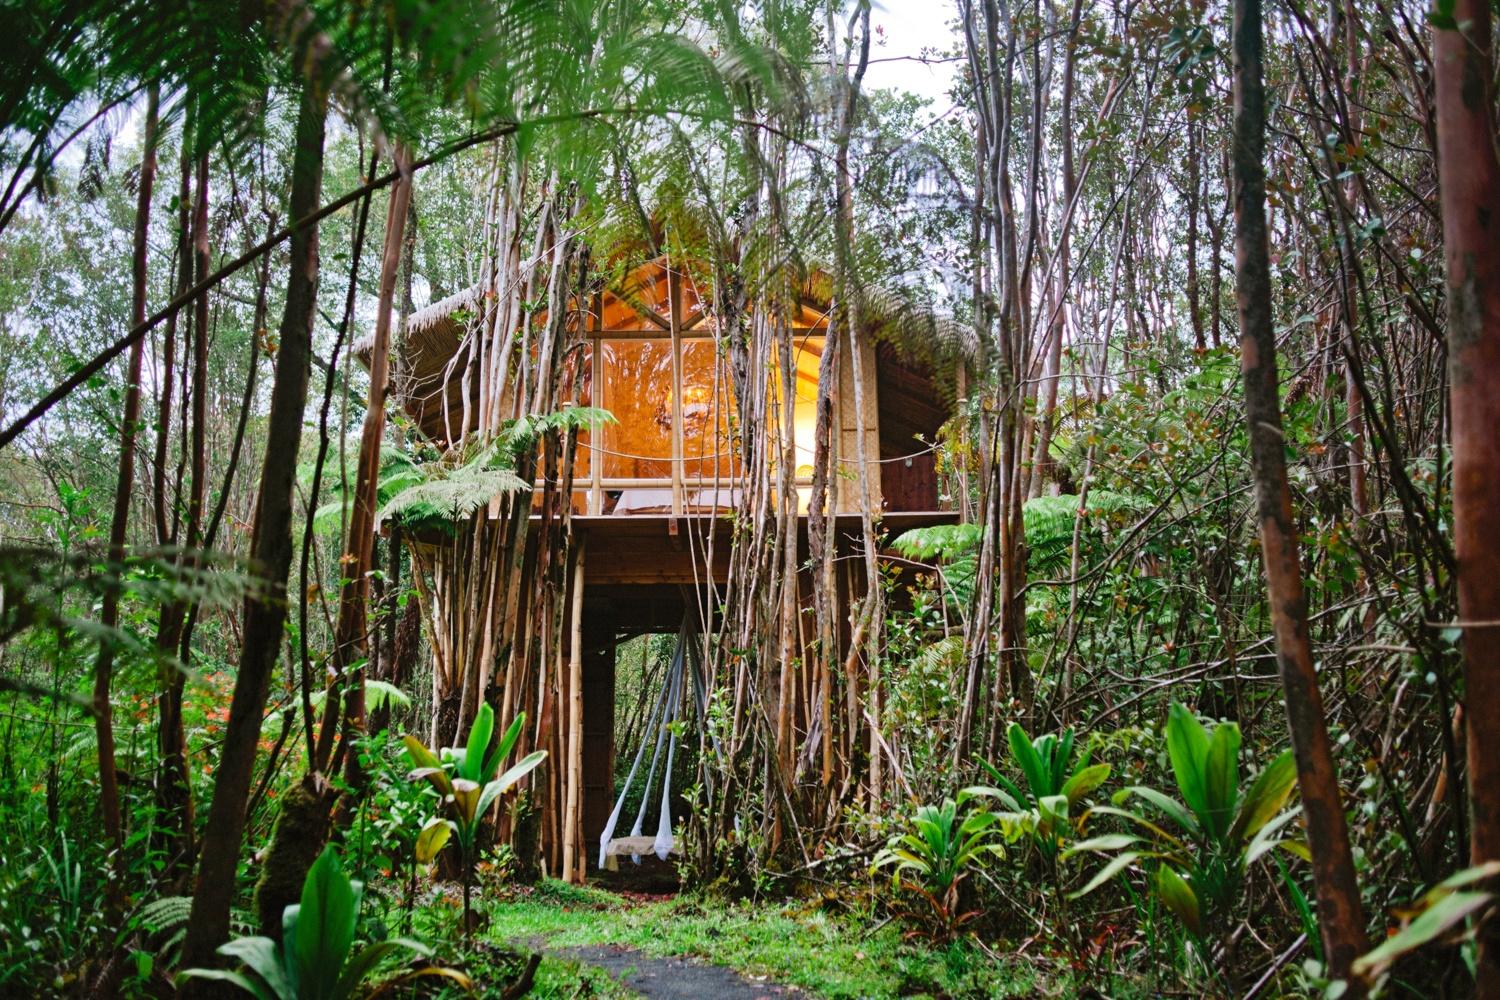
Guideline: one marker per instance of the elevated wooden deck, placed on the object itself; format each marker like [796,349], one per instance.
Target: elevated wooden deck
[643,549]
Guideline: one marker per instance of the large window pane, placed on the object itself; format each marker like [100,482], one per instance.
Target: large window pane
[707,409]
[807,355]
[637,389]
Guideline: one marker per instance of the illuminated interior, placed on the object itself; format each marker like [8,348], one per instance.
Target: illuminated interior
[647,394]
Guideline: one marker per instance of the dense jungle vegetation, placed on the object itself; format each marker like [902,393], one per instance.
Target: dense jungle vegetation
[1196,693]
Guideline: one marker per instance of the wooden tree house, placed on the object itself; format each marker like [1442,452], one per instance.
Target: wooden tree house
[656,496]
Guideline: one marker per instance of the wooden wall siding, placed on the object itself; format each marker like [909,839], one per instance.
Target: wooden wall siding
[598,729]
[911,411]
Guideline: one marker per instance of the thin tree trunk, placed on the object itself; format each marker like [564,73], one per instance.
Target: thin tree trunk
[1470,199]
[359,544]
[109,616]
[271,548]
[1340,914]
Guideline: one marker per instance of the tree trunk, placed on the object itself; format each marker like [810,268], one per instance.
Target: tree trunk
[271,548]
[359,546]
[1340,914]
[109,616]
[1470,199]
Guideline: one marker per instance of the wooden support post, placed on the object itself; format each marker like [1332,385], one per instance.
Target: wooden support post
[674,316]
[573,860]
[596,391]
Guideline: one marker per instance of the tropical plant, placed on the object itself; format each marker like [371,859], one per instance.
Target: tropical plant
[945,845]
[464,778]
[1451,910]
[1220,828]
[1053,784]
[1048,522]
[316,958]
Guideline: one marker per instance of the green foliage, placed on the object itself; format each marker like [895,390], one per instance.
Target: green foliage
[945,845]
[316,958]
[1450,911]
[1201,843]
[1048,523]
[398,471]
[1053,784]
[465,782]
[450,495]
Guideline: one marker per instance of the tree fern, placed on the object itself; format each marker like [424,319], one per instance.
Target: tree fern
[451,496]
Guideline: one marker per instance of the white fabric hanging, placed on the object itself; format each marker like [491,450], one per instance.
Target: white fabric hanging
[667,711]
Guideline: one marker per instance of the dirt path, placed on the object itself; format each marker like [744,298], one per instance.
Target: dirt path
[676,978]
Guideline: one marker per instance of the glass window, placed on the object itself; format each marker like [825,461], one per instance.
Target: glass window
[637,389]
[807,355]
[708,450]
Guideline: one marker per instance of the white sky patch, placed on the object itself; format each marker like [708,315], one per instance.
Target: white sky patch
[905,32]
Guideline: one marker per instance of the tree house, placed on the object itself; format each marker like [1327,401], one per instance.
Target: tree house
[656,495]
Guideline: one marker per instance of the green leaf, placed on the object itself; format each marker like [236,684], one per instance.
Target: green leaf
[478,746]
[1107,843]
[365,960]
[419,754]
[1267,794]
[434,835]
[256,989]
[1028,760]
[1187,746]
[1165,803]
[502,784]
[260,955]
[1179,897]
[503,748]
[1085,781]
[1108,872]
[1437,920]
[1221,773]
[324,926]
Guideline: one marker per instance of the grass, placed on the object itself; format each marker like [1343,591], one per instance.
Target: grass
[792,943]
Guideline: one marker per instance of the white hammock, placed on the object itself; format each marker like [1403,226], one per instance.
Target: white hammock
[668,710]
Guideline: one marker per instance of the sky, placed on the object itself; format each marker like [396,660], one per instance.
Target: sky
[903,29]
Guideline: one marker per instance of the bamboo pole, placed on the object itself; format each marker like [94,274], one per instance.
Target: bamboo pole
[573,864]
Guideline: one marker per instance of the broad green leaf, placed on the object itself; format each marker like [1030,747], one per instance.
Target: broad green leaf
[1060,761]
[419,754]
[432,838]
[260,956]
[1221,777]
[1267,794]
[438,776]
[1103,842]
[255,988]
[1027,760]
[1267,837]
[1084,781]
[1169,806]
[365,960]
[503,748]
[520,769]
[324,926]
[1179,897]
[478,746]
[1187,746]
[466,801]
[1109,871]
[1469,876]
